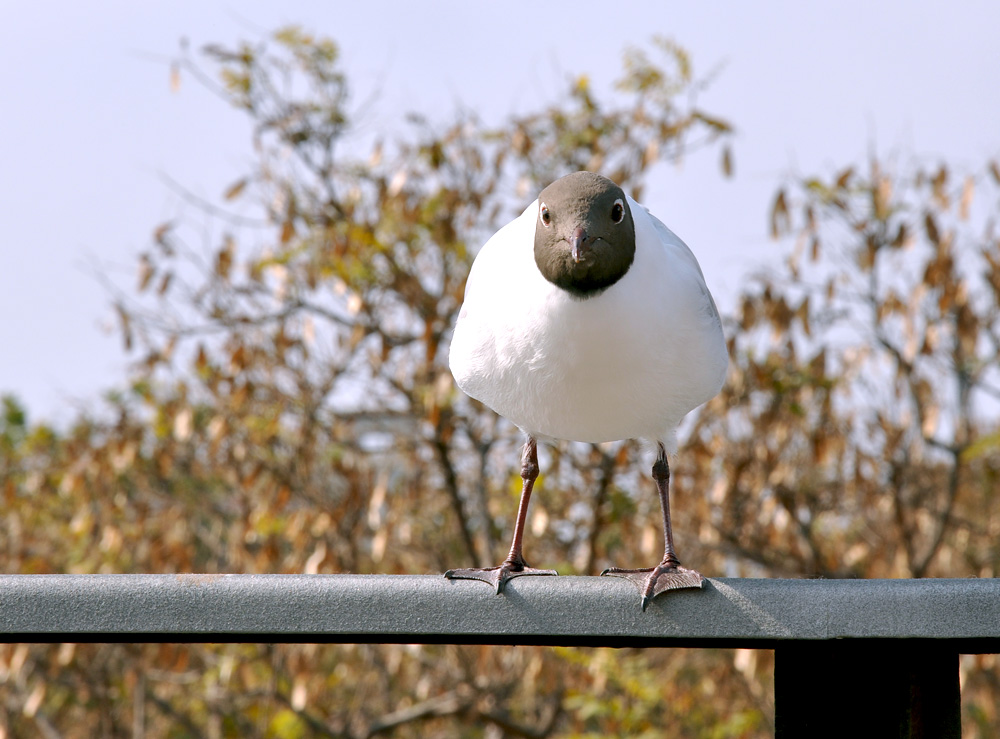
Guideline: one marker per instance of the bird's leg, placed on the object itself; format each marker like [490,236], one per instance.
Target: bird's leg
[514,565]
[668,575]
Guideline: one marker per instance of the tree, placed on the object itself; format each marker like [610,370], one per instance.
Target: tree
[291,411]
[872,361]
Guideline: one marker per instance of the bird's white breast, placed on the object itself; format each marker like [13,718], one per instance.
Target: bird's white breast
[628,363]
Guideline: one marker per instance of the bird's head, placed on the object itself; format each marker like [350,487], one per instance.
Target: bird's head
[584,234]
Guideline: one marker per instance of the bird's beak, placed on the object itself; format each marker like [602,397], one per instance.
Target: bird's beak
[579,247]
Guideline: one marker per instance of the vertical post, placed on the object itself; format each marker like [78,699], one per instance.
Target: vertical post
[867,688]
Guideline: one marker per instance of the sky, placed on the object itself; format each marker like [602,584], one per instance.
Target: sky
[91,127]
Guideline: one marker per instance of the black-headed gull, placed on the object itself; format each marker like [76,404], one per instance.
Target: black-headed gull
[587,319]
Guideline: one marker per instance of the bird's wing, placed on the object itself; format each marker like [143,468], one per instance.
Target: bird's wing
[500,255]
[682,250]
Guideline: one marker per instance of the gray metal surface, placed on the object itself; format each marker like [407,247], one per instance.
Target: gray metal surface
[532,610]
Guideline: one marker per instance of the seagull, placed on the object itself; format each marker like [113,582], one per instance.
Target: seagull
[587,319]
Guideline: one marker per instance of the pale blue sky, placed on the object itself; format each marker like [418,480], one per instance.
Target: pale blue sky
[89,123]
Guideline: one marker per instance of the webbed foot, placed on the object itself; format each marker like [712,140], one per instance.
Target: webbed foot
[496,576]
[654,580]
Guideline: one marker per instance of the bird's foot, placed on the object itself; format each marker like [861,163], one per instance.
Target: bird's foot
[652,581]
[497,576]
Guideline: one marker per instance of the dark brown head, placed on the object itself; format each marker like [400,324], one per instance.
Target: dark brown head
[584,235]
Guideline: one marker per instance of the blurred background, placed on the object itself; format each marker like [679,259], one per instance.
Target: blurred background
[236,240]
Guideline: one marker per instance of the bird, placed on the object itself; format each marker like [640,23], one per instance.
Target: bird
[587,319]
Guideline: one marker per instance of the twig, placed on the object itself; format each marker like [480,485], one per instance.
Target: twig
[451,484]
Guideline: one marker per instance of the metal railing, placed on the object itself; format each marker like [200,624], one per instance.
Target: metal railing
[853,657]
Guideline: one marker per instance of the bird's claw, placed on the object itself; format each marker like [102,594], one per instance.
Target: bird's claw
[654,580]
[496,576]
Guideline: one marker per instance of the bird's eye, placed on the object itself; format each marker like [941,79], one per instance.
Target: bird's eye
[618,211]
[544,215]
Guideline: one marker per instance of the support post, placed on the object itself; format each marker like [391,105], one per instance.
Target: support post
[866,688]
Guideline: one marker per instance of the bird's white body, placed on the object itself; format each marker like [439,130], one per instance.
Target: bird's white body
[630,362]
